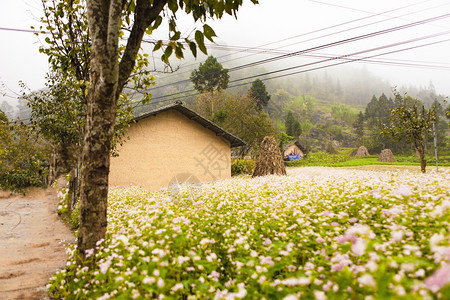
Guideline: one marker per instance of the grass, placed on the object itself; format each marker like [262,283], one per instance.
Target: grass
[344,159]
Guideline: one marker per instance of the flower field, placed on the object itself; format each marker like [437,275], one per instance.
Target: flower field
[318,233]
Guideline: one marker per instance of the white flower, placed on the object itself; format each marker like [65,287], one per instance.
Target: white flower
[104,266]
[148,280]
[320,295]
[367,280]
[176,287]
[160,283]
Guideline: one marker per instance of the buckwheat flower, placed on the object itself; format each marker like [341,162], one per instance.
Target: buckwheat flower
[419,273]
[262,279]
[123,239]
[160,283]
[267,242]
[156,272]
[327,285]
[320,240]
[439,279]
[367,280]
[399,290]
[334,224]
[242,291]
[119,278]
[148,280]
[372,266]
[408,267]
[397,235]
[359,247]
[215,275]
[176,287]
[89,252]
[353,220]
[320,295]
[404,191]
[291,297]
[104,266]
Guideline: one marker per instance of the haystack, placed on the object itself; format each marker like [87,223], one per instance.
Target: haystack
[362,151]
[269,159]
[386,155]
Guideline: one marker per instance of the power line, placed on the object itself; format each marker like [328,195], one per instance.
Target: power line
[324,46]
[23,30]
[326,28]
[346,59]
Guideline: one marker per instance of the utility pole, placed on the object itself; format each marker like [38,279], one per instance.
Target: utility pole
[435,147]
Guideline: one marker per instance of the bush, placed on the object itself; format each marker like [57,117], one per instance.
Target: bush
[242,166]
[319,159]
[24,158]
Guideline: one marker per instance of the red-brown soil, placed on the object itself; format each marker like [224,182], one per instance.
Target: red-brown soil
[32,240]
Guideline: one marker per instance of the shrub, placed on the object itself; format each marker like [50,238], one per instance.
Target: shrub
[23,158]
[242,166]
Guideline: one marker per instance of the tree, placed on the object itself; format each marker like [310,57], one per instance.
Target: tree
[259,93]
[239,115]
[210,76]
[359,127]
[293,127]
[110,70]
[410,121]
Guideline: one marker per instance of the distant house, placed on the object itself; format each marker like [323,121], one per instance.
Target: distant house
[293,151]
[169,145]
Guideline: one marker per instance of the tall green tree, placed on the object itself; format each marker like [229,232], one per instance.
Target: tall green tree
[110,70]
[259,93]
[210,76]
[410,121]
[359,127]
[293,127]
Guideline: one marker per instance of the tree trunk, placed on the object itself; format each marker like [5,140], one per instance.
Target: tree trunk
[104,24]
[423,163]
[107,79]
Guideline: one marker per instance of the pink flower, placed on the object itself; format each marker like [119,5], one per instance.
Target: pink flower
[359,247]
[267,242]
[353,220]
[266,261]
[320,240]
[104,266]
[346,238]
[439,279]
[334,224]
[404,190]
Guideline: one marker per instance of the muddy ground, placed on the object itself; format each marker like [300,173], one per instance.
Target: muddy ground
[32,240]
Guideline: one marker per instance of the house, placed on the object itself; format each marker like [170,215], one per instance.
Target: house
[172,144]
[293,151]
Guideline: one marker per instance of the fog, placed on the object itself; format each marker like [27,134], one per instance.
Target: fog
[361,36]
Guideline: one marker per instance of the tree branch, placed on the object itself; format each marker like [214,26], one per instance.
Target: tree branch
[144,16]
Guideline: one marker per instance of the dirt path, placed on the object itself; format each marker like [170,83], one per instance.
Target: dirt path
[31,243]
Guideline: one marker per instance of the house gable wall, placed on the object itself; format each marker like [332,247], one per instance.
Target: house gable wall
[165,145]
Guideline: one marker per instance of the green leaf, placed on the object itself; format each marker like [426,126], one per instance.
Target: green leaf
[209,32]
[157,22]
[158,46]
[167,54]
[173,6]
[176,36]
[179,52]
[193,48]
[200,39]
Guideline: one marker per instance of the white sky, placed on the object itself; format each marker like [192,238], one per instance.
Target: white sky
[267,23]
